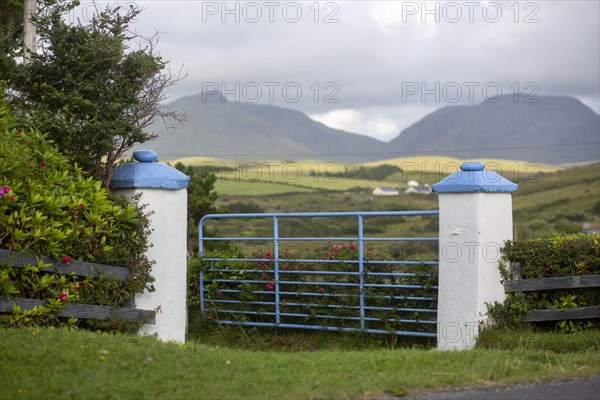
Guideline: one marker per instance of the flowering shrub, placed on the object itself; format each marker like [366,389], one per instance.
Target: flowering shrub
[321,287]
[49,207]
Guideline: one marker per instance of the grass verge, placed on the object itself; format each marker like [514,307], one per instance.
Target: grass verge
[541,341]
[46,363]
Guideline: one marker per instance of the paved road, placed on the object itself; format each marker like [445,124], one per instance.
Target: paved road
[588,389]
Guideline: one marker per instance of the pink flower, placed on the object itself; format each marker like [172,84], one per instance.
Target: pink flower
[12,198]
[6,189]
[269,286]
[218,293]
[65,259]
[17,133]
[133,264]
[321,290]
[352,246]
[42,164]
[62,296]
[269,254]
[81,206]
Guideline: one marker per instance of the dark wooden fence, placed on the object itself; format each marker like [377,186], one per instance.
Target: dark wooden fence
[78,268]
[563,282]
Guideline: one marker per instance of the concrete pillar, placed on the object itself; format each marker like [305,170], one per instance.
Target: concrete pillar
[475,219]
[163,189]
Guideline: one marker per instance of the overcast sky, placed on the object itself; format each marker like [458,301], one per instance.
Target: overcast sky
[376,67]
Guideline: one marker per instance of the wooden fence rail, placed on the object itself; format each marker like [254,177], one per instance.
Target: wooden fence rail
[78,268]
[563,282]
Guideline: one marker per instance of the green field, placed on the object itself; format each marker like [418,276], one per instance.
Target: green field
[446,165]
[248,178]
[245,188]
[304,175]
[282,184]
[548,200]
[545,203]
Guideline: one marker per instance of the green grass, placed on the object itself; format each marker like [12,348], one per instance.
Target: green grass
[293,340]
[541,341]
[41,363]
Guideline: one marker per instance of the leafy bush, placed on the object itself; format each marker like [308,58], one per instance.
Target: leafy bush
[48,207]
[558,255]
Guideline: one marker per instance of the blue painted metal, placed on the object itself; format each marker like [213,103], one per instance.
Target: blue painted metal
[148,174]
[361,270]
[145,156]
[276,267]
[473,178]
[226,278]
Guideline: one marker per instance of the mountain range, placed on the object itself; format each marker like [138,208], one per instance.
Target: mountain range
[554,130]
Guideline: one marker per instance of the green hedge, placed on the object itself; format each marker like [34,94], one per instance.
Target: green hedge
[50,207]
[558,255]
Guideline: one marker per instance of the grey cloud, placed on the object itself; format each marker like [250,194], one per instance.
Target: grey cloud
[371,54]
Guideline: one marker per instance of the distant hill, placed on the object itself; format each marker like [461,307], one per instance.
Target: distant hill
[549,131]
[242,131]
[555,130]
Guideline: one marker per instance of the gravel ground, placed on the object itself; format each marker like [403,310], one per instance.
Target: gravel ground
[587,389]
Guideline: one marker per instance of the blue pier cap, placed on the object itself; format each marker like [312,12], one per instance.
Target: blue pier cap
[146,173]
[472,178]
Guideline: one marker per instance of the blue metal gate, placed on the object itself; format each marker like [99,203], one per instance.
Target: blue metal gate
[349,288]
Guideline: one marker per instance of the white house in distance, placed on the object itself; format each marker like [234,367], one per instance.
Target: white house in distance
[385,191]
[415,187]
